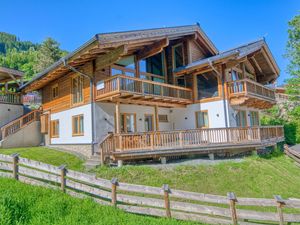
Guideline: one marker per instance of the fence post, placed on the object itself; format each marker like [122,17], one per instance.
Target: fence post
[62,177]
[280,204]
[232,201]
[15,166]
[114,184]
[167,190]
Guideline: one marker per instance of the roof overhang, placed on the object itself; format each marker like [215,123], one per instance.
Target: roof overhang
[141,42]
[7,74]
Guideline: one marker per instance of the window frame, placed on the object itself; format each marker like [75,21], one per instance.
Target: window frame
[173,55]
[160,120]
[152,121]
[255,118]
[81,133]
[125,122]
[239,118]
[53,124]
[197,115]
[81,79]
[53,87]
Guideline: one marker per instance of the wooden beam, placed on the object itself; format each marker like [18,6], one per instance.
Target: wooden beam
[111,57]
[118,118]
[256,64]
[156,118]
[153,49]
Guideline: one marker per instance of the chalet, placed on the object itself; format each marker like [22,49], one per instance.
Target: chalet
[157,93]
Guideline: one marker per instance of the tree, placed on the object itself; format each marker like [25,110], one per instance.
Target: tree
[293,54]
[48,53]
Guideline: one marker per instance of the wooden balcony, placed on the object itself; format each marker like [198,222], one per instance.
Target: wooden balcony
[10,98]
[134,90]
[183,142]
[251,94]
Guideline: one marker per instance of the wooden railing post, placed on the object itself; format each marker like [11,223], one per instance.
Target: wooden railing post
[166,190]
[180,139]
[63,171]
[15,166]
[114,184]
[232,201]
[152,140]
[280,204]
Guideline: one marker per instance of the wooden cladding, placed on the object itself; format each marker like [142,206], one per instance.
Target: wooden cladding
[64,100]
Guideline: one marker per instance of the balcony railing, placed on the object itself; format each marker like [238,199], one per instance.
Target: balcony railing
[10,98]
[185,139]
[122,83]
[250,88]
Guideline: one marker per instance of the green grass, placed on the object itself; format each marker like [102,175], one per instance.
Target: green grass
[253,177]
[22,204]
[47,155]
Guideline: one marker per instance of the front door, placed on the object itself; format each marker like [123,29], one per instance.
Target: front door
[149,122]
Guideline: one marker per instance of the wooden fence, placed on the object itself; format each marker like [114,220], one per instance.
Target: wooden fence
[295,155]
[147,200]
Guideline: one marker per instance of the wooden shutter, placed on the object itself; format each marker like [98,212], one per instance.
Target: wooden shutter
[44,123]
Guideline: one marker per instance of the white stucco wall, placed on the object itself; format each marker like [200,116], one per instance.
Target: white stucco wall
[9,112]
[184,118]
[65,126]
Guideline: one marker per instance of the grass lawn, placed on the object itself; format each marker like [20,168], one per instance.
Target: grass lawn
[253,177]
[22,204]
[47,155]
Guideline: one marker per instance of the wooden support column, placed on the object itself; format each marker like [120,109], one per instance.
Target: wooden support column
[118,124]
[156,118]
[137,67]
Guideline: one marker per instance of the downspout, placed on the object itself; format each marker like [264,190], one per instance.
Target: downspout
[223,92]
[90,77]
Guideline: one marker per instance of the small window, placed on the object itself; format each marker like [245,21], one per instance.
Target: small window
[54,91]
[202,119]
[77,89]
[254,118]
[163,118]
[178,56]
[77,124]
[207,85]
[54,128]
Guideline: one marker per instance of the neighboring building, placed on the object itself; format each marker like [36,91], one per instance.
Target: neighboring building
[147,93]
[19,126]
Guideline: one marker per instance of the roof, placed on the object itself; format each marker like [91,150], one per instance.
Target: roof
[236,53]
[103,41]
[7,74]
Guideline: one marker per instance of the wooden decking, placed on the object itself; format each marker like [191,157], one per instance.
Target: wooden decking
[10,98]
[128,89]
[182,142]
[251,94]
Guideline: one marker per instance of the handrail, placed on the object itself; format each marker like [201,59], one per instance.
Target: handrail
[244,87]
[195,138]
[10,97]
[19,123]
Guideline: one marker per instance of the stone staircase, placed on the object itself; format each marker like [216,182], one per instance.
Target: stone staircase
[93,162]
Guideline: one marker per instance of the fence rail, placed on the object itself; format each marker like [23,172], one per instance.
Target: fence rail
[147,200]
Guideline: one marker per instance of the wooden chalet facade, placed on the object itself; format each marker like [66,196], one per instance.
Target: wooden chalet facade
[157,92]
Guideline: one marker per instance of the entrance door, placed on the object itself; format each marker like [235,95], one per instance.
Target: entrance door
[128,122]
[149,122]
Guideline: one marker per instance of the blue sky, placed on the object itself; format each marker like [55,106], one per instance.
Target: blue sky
[228,23]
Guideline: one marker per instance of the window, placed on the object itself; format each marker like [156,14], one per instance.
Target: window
[207,86]
[254,118]
[128,122]
[77,125]
[181,82]
[54,91]
[241,119]
[178,56]
[202,119]
[163,118]
[77,89]
[54,128]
